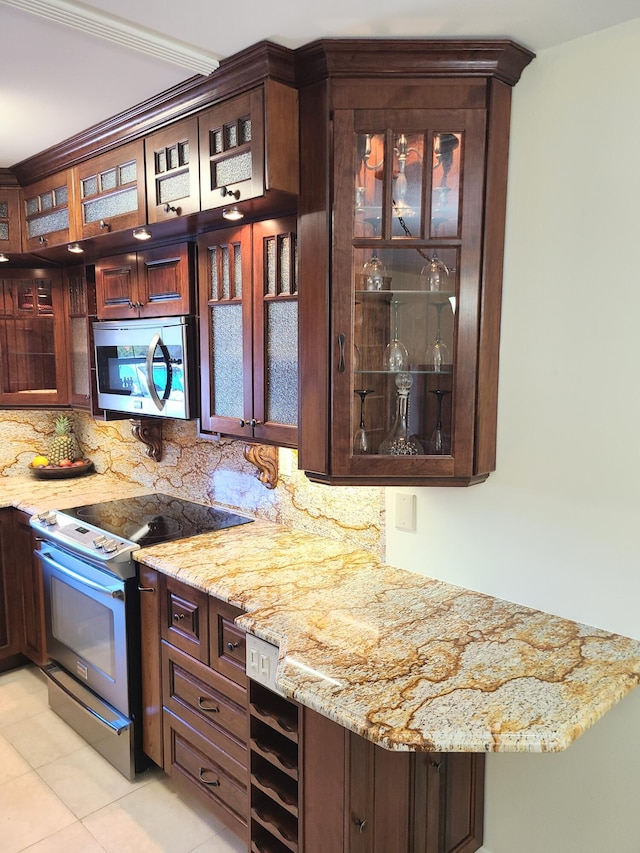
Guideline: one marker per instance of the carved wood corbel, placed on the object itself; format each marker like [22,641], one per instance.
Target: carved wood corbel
[149,432]
[265,459]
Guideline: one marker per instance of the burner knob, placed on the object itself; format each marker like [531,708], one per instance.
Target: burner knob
[49,517]
[99,541]
[110,546]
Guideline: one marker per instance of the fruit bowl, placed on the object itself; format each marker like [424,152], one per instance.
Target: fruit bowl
[54,472]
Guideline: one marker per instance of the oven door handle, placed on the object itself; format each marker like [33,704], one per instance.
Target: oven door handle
[111,591]
[156,341]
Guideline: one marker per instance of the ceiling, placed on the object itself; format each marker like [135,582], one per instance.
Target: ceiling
[69,65]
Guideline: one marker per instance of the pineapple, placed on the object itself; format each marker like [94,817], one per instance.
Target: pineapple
[63,445]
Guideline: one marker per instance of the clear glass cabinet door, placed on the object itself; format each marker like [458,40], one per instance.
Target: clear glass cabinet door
[412,271]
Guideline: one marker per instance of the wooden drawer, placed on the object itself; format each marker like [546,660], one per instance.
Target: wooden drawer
[203,699]
[199,766]
[185,618]
[228,644]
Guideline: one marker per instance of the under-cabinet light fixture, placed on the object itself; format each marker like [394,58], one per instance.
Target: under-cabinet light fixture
[142,233]
[233,214]
[75,248]
[3,258]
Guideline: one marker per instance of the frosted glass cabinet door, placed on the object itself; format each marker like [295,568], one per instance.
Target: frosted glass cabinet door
[249,332]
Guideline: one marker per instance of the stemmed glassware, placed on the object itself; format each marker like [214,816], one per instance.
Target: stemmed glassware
[439,439]
[438,352]
[361,441]
[396,356]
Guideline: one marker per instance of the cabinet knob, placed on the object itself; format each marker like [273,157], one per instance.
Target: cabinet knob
[169,208]
[43,241]
[225,191]
[361,824]
[232,646]
[105,225]
[252,423]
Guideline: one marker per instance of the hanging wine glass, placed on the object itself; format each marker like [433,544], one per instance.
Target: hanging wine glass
[373,273]
[361,440]
[438,352]
[439,439]
[434,274]
[396,356]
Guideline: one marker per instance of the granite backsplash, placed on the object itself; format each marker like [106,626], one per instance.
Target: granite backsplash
[206,470]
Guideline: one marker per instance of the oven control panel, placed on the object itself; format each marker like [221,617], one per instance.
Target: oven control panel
[85,539]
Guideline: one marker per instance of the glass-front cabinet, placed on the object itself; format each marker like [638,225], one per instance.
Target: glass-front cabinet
[33,364]
[249,332]
[412,301]
[110,191]
[400,313]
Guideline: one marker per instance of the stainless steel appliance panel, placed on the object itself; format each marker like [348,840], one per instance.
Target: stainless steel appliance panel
[143,367]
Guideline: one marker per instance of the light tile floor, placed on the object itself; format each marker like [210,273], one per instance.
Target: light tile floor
[57,795]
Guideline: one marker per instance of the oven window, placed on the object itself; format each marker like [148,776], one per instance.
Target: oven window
[83,625]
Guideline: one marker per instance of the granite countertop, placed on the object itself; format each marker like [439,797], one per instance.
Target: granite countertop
[406,661]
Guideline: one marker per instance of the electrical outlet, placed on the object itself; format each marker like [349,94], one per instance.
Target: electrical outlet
[405,512]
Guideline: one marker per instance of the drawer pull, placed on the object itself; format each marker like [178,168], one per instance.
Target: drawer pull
[232,646]
[177,617]
[213,709]
[361,824]
[213,783]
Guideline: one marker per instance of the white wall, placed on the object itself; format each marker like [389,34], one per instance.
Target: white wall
[556,526]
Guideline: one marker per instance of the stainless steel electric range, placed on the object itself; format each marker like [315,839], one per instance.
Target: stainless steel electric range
[92,610]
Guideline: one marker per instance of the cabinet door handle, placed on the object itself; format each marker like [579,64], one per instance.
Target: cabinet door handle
[212,709]
[178,616]
[232,646]
[146,589]
[341,342]
[361,824]
[213,783]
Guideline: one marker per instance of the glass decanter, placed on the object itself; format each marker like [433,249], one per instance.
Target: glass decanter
[398,442]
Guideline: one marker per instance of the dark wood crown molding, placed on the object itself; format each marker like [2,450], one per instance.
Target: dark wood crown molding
[394,58]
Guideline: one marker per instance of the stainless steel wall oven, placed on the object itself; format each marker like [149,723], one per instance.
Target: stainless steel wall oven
[92,610]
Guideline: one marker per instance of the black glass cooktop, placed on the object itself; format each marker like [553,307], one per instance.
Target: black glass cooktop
[150,519]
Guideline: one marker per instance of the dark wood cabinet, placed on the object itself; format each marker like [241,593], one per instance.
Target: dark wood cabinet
[110,192]
[80,311]
[151,686]
[204,699]
[249,146]
[33,360]
[155,282]
[359,798]
[47,206]
[10,594]
[30,574]
[10,231]
[401,231]
[248,288]
[173,171]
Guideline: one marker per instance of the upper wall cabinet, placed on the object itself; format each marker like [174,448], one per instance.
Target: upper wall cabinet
[33,363]
[249,146]
[401,233]
[157,282]
[10,237]
[173,173]
[110,192]
[248,331]
[46,206]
